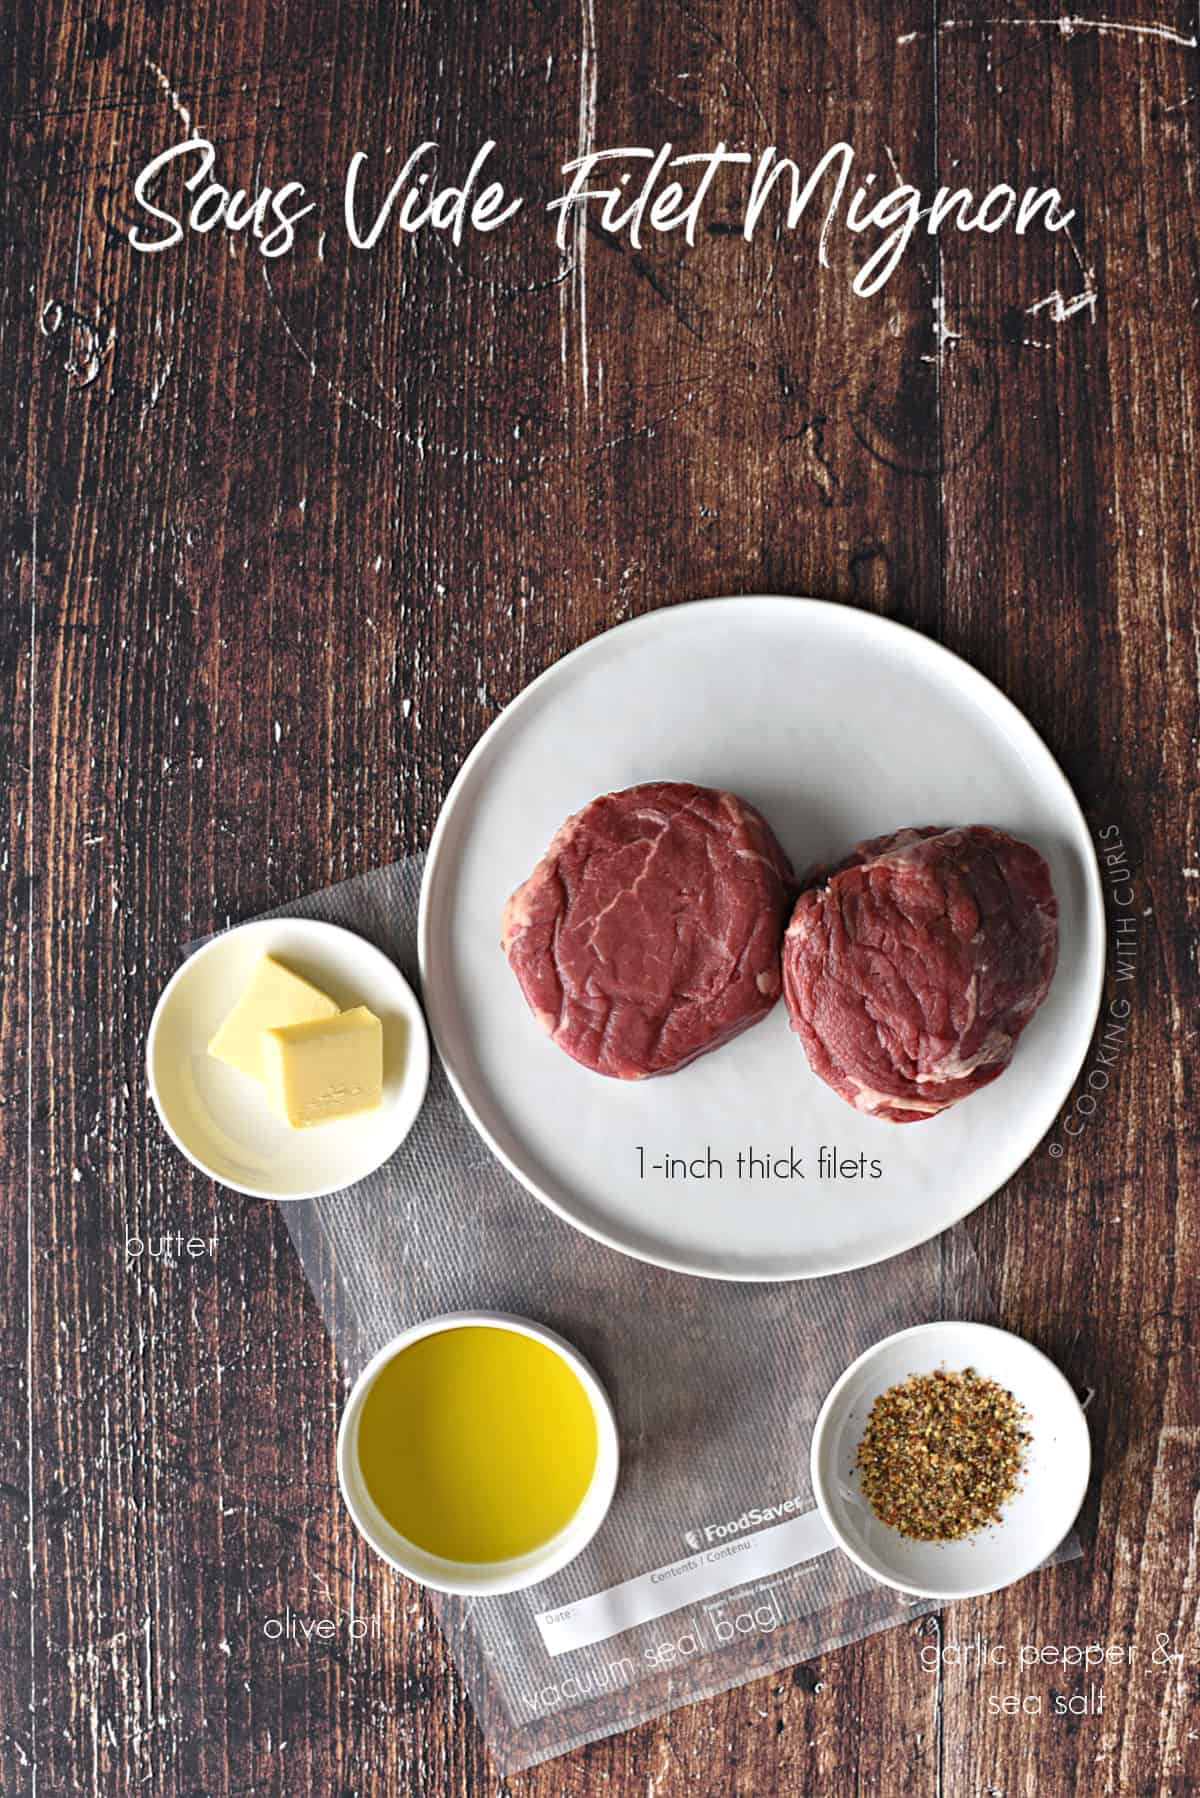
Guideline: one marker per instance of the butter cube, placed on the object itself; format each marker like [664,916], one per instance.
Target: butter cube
[324,1069]
[273,995]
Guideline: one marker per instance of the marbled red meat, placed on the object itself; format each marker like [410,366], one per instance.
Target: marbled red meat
[911,970]
[650,930]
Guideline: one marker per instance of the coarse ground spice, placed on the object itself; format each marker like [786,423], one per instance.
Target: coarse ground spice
[942,1454]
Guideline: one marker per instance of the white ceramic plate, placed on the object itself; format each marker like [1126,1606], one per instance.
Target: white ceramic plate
[839,725]
[222,1122]
[1035,1520]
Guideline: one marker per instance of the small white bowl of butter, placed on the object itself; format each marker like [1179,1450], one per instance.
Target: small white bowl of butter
[310,993]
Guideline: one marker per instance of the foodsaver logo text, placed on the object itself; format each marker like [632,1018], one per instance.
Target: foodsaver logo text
[749,1520]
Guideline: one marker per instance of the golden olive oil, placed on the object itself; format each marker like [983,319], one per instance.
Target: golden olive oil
[477,1443]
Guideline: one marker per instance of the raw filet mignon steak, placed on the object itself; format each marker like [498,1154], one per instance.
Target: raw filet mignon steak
[912,969]
[650,930]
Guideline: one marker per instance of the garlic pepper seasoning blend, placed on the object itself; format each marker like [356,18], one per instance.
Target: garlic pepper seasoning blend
[942,1454]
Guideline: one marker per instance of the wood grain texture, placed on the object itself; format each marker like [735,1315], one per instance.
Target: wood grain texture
[279,540]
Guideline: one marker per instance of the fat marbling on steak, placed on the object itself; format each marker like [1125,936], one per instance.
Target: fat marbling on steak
[912,969]
[650,930]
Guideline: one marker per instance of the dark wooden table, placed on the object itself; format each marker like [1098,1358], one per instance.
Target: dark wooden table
[279,539]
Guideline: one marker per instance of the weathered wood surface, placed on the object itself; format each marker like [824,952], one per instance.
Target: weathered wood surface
[277,543]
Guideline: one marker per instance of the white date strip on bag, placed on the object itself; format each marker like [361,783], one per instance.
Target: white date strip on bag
[698,1576]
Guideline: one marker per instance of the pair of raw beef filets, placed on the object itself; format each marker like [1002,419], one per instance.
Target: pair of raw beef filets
[651,930]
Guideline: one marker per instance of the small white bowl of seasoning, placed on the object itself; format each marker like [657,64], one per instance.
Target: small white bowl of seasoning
[222,1121]
[908,1389]
[478,1453]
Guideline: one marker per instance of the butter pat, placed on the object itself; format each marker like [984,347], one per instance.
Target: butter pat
[325,1068]
[274,995]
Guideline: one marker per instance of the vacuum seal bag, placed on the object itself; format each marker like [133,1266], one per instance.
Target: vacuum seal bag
[713,1566]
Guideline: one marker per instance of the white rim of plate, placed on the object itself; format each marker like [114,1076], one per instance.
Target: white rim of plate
[967,677]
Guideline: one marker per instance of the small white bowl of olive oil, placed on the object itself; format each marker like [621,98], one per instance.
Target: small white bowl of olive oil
[478,1453]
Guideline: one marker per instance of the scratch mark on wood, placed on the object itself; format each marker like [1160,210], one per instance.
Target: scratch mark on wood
[1061,308]
[30,1294]
[176,104]
[1068,24]
[157,385]
[90,341]
[814,463]
[943,336]
[587,137]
